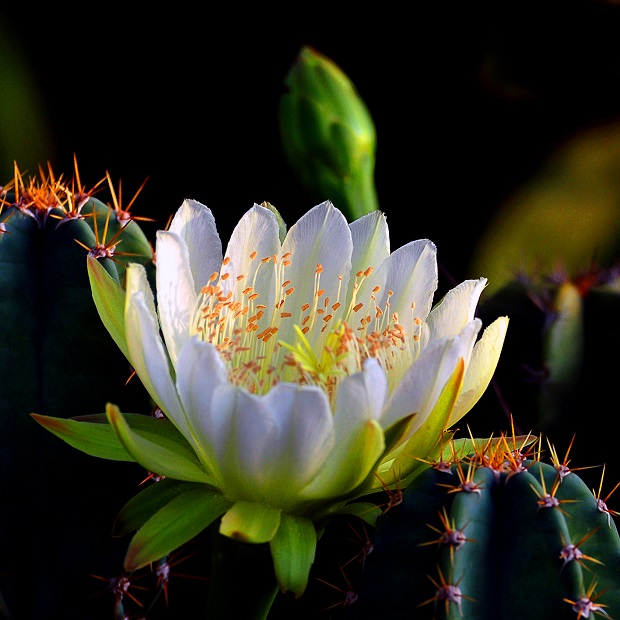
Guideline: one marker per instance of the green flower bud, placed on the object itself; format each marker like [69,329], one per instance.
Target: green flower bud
[328,134]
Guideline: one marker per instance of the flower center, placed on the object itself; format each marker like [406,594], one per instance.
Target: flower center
[265,334]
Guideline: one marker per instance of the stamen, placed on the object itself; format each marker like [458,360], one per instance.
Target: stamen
[326,350]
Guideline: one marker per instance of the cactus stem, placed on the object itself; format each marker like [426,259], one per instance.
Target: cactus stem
[103,248]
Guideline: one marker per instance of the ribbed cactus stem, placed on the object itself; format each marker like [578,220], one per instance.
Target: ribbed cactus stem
[501,534]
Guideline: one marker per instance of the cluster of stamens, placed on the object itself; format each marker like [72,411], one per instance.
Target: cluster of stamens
[253,329]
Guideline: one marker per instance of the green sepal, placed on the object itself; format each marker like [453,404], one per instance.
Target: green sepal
[279,219]
[158,454]
[109,298]
[396,432]
[293,549]
[93,434]
[93,438]
[176,523]
[367,511]
[251,522]
[141,507]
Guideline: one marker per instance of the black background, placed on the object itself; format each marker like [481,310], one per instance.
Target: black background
[468,100]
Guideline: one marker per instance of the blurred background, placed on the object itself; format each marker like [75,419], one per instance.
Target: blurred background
[498,133]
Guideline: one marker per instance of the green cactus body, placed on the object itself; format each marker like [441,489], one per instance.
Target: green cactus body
[56,357]
[491,538]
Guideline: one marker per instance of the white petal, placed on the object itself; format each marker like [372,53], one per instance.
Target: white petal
[422,385]
[146,349]
[411,274]
[195,224]
[371,241]
[271,446]
[481,367]
[456,309]
[257,232]
[200,372]
[305,428]
[361,396]
[320,237]
[176,292]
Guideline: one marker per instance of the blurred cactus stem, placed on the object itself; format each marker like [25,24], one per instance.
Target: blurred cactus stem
[328,134]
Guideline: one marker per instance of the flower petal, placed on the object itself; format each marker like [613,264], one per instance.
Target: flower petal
[408,275]
[361,396]
[322,238]
[195,224]
[423,383]
[481,367]
[146,349]
[270,446]
[371,241]
[350,462]
[255,237]
[200,371]
[176,291]
[456,309]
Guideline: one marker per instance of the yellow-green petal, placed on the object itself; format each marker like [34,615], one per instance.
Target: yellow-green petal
[428,435]
[350,463]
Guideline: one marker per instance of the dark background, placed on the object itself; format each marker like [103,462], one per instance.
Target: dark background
[468,100]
